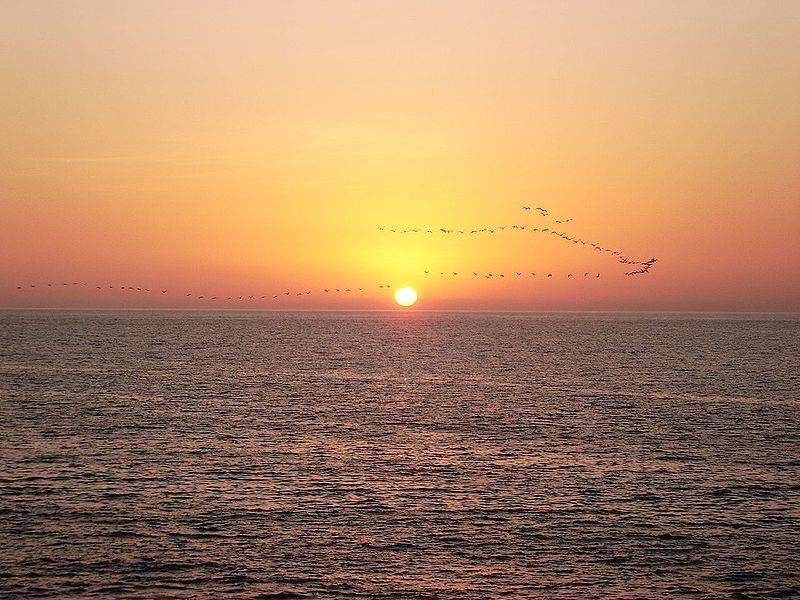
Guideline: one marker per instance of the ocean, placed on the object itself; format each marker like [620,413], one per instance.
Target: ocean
[398,455]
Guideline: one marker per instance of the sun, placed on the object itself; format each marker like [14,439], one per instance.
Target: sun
[405,296]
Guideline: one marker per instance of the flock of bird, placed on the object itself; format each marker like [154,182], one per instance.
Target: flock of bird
[644,267]
[245,297]
[517,273]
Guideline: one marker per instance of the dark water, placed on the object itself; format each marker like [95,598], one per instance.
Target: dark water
[398,455]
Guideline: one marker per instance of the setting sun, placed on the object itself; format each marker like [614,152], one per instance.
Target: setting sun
[405,296]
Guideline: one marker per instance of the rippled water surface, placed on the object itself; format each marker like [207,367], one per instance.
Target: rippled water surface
[414,455]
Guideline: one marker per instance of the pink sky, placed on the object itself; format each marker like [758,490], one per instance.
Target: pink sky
[256,149]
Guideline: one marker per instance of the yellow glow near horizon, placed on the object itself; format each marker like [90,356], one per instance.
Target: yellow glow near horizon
[405,296]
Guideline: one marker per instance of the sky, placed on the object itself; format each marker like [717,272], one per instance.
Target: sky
[256,148]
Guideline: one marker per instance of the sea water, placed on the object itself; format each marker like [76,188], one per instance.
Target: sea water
[398,454]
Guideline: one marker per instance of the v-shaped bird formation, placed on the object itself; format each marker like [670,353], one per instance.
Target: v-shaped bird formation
[644,267]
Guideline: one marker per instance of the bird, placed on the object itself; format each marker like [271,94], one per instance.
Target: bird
[526,208]
[586,274]
[570,275]
[518,273]
[162,291]
[549,274]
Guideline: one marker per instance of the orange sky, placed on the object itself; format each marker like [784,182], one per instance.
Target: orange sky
[256,148]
